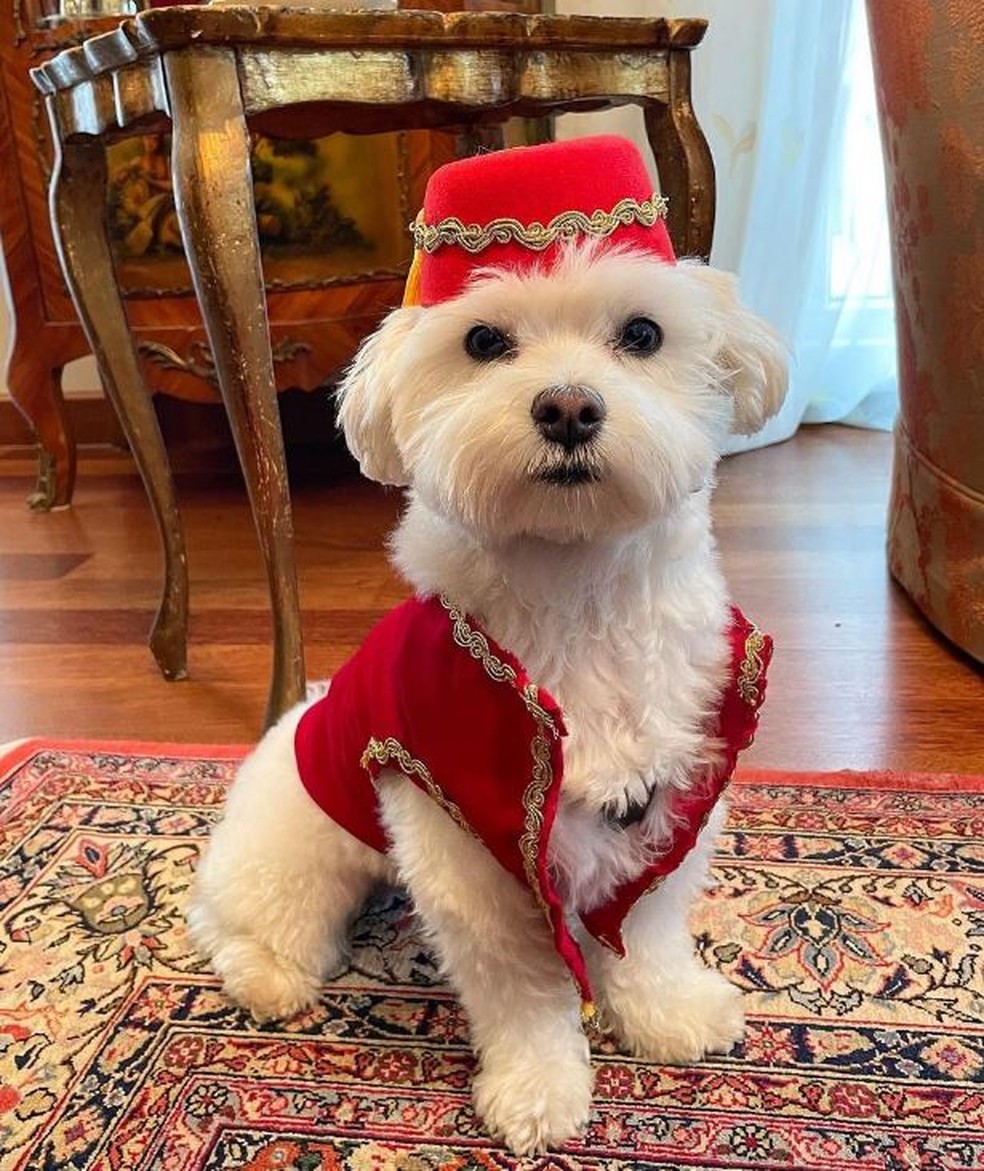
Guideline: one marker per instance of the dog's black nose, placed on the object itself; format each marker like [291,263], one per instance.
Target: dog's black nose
[568,415]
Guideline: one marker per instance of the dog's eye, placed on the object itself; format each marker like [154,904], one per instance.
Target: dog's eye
[640,336]
[485,343]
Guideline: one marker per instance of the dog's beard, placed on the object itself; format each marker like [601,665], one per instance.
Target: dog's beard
[568,470]
[519,486]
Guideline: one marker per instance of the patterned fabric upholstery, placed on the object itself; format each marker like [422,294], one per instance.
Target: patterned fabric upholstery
[927,70]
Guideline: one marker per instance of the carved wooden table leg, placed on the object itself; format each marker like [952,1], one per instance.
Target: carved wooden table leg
[78,201]
[683,159]
[213,193]
[35,387]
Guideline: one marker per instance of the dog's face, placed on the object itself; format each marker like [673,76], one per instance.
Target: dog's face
[585,401]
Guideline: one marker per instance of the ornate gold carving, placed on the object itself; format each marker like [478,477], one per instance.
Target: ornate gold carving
[200,361]
[42,499]
[391,751]
[20,35]
[536,236]
[274,285]
[58,34]
[750,671]
[364,276]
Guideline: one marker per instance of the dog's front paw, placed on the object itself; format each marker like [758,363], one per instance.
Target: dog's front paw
[534,1104]
[257,979]
[679,1023]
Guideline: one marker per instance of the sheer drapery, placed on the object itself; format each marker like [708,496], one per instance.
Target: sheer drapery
[784,91]
[815,258]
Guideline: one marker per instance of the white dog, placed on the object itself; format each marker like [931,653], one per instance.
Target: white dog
[558,428]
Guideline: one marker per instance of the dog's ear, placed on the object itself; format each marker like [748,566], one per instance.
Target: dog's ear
[750,353]
[365,399]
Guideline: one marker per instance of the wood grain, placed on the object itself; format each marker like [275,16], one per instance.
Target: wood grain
[859,680]
[317,323]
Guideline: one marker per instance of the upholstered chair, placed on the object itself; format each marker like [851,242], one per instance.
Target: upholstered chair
[927,58]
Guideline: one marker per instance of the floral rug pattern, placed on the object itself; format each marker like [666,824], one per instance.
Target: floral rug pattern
[850,907]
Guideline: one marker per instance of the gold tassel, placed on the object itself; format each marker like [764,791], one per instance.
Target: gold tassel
[411,293]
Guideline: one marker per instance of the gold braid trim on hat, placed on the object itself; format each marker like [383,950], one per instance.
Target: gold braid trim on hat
[536,236]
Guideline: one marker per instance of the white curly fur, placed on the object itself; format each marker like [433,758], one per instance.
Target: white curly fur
[609,592]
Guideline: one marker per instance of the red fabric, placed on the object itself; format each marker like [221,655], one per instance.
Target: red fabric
[737,720]
[410,681]
[533,184]
[485,742]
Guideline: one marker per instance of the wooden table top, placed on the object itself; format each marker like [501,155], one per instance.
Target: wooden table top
[159,30]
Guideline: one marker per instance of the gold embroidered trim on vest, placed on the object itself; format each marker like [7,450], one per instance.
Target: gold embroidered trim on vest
[534,796]
[750,671]
[541,778]
[476,238]
[477,645]
[390,751]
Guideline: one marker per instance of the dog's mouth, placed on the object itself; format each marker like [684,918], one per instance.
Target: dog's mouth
[570,472]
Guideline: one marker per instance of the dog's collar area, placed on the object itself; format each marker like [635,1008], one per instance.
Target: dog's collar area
[629,817]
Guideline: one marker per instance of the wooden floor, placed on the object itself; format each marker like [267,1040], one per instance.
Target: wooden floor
[859,681]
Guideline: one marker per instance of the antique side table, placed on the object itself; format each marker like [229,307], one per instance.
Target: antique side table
[210,73]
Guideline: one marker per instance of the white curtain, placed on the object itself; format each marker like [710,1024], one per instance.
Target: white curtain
[815,259]
[784,92]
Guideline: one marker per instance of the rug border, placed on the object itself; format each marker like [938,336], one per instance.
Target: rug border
[891,779]
[15,753]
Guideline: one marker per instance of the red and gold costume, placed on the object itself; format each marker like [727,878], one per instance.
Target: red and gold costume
[430,695]
[516,209]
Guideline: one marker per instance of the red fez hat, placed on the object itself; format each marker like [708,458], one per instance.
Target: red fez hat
[514,209]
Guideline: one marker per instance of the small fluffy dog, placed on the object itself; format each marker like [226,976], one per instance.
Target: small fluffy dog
[535,744]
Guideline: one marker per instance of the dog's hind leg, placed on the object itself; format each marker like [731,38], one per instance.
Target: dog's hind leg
[534,1085]
[278,885]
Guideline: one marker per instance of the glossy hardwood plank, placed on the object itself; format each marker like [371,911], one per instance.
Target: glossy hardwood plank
[859,680]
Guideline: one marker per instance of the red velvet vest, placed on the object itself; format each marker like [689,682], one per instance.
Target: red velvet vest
[430,695]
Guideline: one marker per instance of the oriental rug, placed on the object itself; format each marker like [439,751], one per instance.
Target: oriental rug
[849,907]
